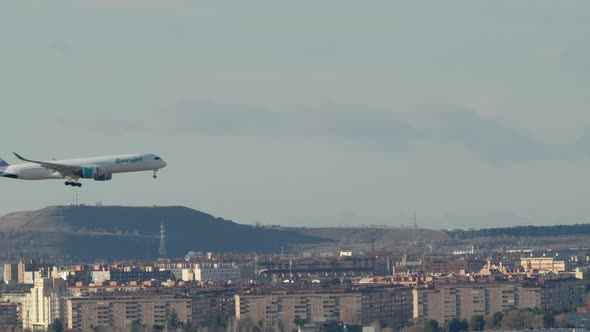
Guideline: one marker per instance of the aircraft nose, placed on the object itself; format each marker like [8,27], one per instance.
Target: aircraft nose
[164,163]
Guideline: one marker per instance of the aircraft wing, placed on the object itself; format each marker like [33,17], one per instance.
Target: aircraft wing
[65,170]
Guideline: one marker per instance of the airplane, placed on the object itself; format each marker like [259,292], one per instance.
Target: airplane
[97,168]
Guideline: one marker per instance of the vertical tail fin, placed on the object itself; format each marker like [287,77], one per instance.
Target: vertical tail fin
[3,163]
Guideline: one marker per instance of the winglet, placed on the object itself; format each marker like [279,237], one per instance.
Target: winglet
[19,157]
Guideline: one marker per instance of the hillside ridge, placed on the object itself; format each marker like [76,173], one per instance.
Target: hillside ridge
[121,232]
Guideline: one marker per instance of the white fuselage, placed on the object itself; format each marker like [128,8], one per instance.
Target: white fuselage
[105,165]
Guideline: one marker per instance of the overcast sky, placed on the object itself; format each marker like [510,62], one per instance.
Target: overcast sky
[469,113]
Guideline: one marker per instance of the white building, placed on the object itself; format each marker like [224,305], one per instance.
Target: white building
[217,272]
[346,253]
[188,275]
[100,276]
[41,306]
[29,277]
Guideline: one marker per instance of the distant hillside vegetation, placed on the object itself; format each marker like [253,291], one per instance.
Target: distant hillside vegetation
[522,231]
[118,232]
[366,238]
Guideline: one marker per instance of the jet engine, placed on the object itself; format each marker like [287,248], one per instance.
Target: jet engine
[103,177]
[89,172]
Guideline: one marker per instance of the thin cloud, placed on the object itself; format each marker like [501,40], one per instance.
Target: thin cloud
[209,118]
[488,138]
[495,141]
[104,124]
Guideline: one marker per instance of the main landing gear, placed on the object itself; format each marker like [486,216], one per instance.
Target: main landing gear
[73,184]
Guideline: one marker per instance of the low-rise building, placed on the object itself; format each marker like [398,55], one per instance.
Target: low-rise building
[543,264]
[217,272]
[100,276]
[124,277]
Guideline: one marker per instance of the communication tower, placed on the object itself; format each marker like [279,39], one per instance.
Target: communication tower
[162,251]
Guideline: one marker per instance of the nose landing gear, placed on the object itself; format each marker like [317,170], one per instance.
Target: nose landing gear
[155,173]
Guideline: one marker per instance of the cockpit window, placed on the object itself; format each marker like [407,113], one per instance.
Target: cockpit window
[157,158]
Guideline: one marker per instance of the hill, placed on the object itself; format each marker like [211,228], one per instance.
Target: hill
[522,231]
[368,238]
[118,232]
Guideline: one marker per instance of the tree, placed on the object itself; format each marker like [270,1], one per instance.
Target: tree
[431,326]
[56,326]
[247,325]
[331,282]
[172,322]
[136,326]
[299,321]
[220,321]
[548,320]
[495,321]
[561,320]
[457,325]
[518,320]
[477,323]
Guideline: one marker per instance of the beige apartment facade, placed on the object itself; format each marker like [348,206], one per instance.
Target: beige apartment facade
[118,312]
[210,306]
[391,306]
[543,264]
[444,302]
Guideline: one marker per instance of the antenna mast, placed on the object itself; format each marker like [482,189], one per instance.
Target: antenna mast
[162,251]
[414,228]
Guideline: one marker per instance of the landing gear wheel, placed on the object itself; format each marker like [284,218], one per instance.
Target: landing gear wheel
[77,184]
[155,175]
[67,183]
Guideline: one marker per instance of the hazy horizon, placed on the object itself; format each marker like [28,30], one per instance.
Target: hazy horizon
[468,114]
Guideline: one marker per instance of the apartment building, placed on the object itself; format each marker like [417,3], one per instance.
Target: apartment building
[529,296]
[25,271]
[390,306]
[279,309]
[9,315]
[503,296]
[42,305]
[11,273]
[444,302]
[207,307]
[217,272]
[447,265]
[118,312]
[129,275]
[562,292]
[543,264]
